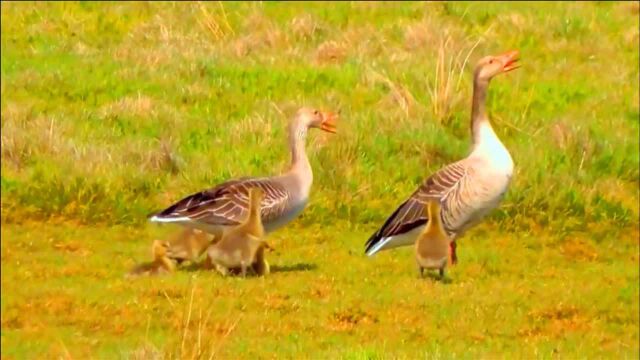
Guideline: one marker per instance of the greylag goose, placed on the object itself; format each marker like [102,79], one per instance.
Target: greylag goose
[468,189]
[285,196]
[432,245]
[240,244]
[161,263]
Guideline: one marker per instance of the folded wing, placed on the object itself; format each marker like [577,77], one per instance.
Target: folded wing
[443,185]
[228,203]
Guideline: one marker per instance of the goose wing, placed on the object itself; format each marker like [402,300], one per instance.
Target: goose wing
[410,214]
[228,203]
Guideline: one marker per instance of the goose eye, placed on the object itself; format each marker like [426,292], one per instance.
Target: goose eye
[491,61]
[316,112]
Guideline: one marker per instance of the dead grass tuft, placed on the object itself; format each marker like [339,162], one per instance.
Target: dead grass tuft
[617,191]
[140,106]
[575,141]
[283,304]
[419,35]
[556,322]
[198,336]
[254,125]
[215,22]
[263,32]
[578,249]
[146,352]
[445,90]
[348,319]
[167,158]
[514,21]
[398,94]
[561,134]
[321,291]
[304,27]
[26,135]
[71,247]
[330,52]
[365,42]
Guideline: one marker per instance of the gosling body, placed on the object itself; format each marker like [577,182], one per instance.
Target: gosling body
[432,245]
[160,265]
[243,245]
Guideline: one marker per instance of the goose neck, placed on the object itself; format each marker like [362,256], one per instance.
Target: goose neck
[479,117]
[297,141]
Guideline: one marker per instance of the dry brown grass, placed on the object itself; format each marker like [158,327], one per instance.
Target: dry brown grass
[349,319]
[330,52]
[305,26]
[445,91]
[398,95]
[579,249]
[200,336]
[26,134]
[556,322]
[140,106]
[216,21]
[207,74]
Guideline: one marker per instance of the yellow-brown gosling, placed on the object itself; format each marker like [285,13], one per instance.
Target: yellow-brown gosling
[161,264]
[432,245]
[189,245]
[240,245]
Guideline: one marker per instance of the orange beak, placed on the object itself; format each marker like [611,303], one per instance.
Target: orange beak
[509,60]
[329,122]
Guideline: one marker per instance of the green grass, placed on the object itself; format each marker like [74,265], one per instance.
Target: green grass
[111,111]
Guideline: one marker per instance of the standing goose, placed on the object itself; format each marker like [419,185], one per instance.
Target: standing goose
[285,196]
[468,189]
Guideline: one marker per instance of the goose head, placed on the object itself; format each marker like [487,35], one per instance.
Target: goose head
[313,118]
[490,66]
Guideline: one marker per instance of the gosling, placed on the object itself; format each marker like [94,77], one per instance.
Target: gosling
[432,245]
[242,245]
[189,245]
[161,264]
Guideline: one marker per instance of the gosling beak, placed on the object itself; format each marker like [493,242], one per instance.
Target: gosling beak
[329,122]
[509,60]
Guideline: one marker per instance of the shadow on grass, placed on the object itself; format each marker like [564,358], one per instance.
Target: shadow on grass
[192,266]
[294,267]
[434,276]
[198,266]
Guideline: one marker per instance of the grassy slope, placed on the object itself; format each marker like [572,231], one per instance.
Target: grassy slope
[111,111]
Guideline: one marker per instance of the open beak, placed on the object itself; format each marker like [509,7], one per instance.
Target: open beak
[509,60]
[329,122]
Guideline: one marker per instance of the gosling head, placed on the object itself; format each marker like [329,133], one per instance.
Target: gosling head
[159,249]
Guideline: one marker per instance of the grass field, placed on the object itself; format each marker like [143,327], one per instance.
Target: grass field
[111,111]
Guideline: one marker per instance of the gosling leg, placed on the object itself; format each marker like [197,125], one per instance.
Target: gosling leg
[222,270]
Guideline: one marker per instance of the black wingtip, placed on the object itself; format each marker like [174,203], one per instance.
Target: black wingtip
[373,240]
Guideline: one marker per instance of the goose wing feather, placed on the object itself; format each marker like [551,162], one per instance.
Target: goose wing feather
[228,203]
[444,184]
